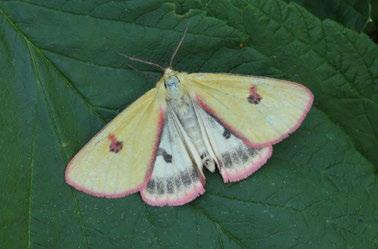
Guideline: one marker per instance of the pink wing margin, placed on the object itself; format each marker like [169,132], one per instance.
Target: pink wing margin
[131,191]
[248,171]
[196,192]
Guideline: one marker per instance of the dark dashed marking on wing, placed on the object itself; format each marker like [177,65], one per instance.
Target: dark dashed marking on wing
[242,154]
[185,177]
[194,176]
[227,160]
[235,157]
[172,185]
[252,152]
[170,188]
[178,181]
[160,187]
[151,186]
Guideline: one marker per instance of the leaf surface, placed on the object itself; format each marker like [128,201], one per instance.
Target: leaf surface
[354,14]
[62,78]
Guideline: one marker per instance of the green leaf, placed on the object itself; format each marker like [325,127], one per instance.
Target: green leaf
[374,11]
[354,14]
[372,28]
[62,78]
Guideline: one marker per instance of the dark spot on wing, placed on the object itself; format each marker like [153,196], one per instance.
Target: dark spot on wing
[254,100]
[254,97]
[226,133]
[115,145]
[167,157]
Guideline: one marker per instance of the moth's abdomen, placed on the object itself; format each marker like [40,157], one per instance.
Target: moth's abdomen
[188,119]
[192,129]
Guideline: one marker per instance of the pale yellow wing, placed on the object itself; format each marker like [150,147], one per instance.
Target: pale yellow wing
[119,159]
[260,110]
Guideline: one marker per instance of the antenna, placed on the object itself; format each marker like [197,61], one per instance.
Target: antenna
[143,61]
[178,45]
[157,65]
[141,72]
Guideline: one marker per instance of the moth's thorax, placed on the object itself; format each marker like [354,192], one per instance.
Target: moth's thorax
[180,105]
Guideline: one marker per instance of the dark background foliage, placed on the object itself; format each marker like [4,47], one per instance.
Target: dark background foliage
[62,78]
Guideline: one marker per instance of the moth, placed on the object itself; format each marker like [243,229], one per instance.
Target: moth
[161,143]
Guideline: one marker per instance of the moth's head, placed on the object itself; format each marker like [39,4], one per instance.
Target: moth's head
[171,81]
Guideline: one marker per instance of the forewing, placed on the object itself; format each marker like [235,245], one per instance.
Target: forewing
[118,160]
[235,159]
[176,179]
[262,111]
